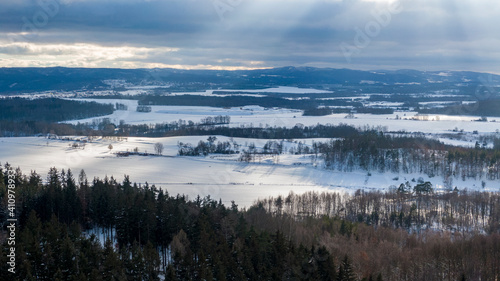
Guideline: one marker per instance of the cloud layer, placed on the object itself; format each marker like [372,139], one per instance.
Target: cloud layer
[235,34]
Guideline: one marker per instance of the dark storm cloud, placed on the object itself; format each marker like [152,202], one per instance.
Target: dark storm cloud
[426,34]
[122,17]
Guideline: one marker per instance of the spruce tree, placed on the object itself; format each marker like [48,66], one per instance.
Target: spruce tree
[170,274]
[346,272]
[326,265]
[112,268]
[151,262]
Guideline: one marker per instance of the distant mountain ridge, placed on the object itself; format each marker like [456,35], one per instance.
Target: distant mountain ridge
[19,80]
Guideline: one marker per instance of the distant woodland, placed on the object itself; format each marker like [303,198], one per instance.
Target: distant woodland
[237,100]
[322,111]
[76,228]
[50,110]
[479,108]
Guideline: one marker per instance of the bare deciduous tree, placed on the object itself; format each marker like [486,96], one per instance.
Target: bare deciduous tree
[158,148]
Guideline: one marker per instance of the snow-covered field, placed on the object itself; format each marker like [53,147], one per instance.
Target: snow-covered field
[222,176]
[219,176]
[246,115]
[259,116]
[279,89]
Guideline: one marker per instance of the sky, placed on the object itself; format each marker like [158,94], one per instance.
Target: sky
[249,34]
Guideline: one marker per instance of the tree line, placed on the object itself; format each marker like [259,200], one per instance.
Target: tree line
[487,107]
[207,126]
[239,101]
[50,109]
[323,111]
[208,147]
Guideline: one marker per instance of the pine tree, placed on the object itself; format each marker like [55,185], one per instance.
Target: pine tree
[136,269]
[346,273]
[90,255]
[24,267]
[84,196]
[341,274]
[82,178]
[326,265]
[170,274]
[59,276]
[3,186]
[72,206]
[111,265]
[30,238]
[53,179]
[67,259]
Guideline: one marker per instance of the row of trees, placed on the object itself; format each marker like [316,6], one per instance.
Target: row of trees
[216,120]
[322,111]
[179,127]
[243,100]
[205,148]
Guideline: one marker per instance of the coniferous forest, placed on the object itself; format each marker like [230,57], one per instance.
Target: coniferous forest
[73,227]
